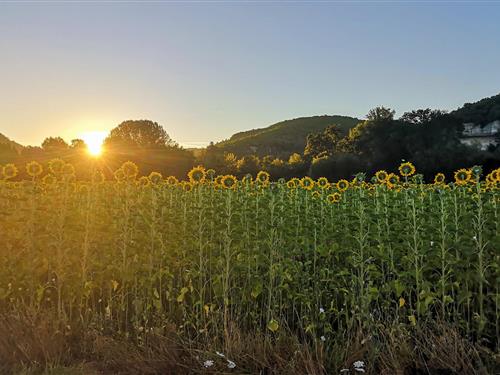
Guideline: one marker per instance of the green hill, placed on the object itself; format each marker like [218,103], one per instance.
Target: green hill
[481,112]
[283,138]
[6,141]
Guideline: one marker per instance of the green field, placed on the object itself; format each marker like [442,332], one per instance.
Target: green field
[151,275]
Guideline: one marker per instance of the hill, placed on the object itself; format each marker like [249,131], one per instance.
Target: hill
[283,138]
[6,141]
[481,112]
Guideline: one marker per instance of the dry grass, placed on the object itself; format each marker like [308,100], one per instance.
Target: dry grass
[35,344]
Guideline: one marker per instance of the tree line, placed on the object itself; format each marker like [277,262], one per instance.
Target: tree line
[430,139]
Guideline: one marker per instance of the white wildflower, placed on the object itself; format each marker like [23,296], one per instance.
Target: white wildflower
[208,363]
[321,310]
[359,366]
[230,364]
[322,338]
[474,238]
[432,243]
[220,354]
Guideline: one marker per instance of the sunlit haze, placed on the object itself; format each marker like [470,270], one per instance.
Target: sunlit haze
[94,141]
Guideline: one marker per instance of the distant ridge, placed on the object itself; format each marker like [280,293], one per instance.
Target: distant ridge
[481,112]
[285,137]
[15,145]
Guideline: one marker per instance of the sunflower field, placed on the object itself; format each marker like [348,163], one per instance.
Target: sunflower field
[336,265]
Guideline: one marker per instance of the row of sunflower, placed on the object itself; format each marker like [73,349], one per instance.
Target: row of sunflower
[212,252]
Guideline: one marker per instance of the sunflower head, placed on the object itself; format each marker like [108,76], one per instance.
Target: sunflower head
[155,178]
[56,166]
[477,171]
[120,175]
[247,179]
[307,183]
[49,179]
[263,178]
[496,174]
[293,183]
[172,180]
[210,174]
[381,176]
[439,179]
[463,176]
[333,198]
[406,169]
[323,183]
[229,182]
[187,186]
[130,170]
[218,181]
[9,171]
[98,177]
[316,194]
[143,181]
[34,169]
[197,175]
[392,179]
[342,185]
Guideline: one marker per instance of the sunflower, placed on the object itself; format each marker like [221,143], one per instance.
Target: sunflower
[439,178]
[496,174]
[381,176]
[392,179]
[187,186]
[406,169]
[34,169]
[463,176]
[490,178]
[130,170]
[292,184]
[229,182]
[218,181]
[197,175]
[342,185]
[307,183]
[210,173]
[263,177]
[333,198]
[477,171]
[98,177]
[143,181]
[172,180]
[119,175]
[49,179]
[56,166]
[323,183]
[155,178]
[9,171]
[247,179]
[316,194]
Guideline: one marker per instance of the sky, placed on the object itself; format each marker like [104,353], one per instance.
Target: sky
[205,70]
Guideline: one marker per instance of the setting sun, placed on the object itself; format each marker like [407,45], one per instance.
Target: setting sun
[94,141]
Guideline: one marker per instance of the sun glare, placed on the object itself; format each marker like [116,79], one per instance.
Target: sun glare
[94,141]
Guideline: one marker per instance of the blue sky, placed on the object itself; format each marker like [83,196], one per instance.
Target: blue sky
[207,70]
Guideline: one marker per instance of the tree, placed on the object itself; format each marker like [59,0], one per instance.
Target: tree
[380,113]
[78,144]
[54,144]
[144,134]
[323,143]
[421,116]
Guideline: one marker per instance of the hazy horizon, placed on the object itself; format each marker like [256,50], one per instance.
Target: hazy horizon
[205,71]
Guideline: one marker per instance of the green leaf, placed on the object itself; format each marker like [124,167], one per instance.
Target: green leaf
[273,325]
